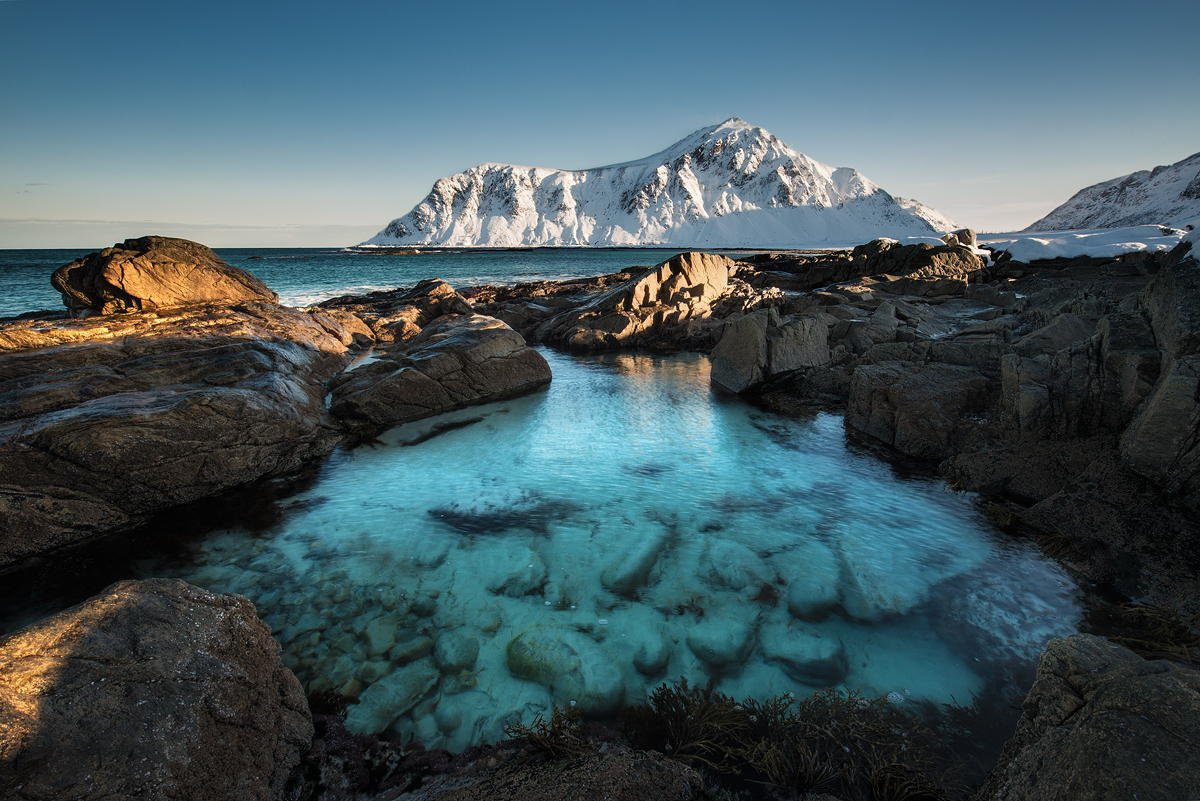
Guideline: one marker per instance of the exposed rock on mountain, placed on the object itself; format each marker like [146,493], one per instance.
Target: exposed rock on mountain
[727,185]
[1101,722]
[455,361]
[154,272]
[1167,195]
[152,689]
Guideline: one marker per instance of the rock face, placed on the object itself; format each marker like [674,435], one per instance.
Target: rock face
[154,272]
[761,345]
[455,361]
[676,293]
[1100,723]
[152,689]
[106,421]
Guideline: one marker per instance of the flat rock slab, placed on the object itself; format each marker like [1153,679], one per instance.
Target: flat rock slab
[108,420]
[152,689]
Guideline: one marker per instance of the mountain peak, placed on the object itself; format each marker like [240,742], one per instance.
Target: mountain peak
[732,184]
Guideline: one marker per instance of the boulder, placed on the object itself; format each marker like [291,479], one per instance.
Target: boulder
[630,570]
[762,345]
[1101,722]
[812,573]
[109,420]
[913,407]
[456,361]
[154,272]
[645,310]
[151,689]
[963,236]
[573,667]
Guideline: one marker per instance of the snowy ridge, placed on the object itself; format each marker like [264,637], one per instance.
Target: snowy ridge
[1167,195]
[1100,243]
[727,185]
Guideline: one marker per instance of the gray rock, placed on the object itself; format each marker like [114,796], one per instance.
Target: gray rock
[805,654]
[722,639]
[1102,723]
[762,345]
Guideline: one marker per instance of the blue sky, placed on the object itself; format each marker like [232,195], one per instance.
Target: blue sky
[315,123]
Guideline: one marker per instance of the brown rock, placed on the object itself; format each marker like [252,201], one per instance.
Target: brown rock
[108,420]
[400,314]
[152,689]
[154,272]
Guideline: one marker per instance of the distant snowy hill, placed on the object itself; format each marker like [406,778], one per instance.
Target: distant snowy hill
[1165,195]
[728,185]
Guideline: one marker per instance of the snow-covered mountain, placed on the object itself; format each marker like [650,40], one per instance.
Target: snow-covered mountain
[728,185]
[1167,195]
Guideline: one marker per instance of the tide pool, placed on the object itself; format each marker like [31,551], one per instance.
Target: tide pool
[625,527]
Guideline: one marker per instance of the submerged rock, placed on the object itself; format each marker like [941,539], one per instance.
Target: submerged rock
[152,689]
[390,697]
[630,570]
[813,575]
[805,654]
[577,670]
[456,361]
[454,651]
[154,272]
[1101,723]
[724,638]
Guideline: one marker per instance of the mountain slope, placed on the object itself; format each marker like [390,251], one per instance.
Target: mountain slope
[728,185]
[1167,195]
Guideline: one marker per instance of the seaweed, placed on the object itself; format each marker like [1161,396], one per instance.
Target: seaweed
[560,737]
[832,742]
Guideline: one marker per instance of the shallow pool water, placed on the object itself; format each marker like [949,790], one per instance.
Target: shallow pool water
[629,526]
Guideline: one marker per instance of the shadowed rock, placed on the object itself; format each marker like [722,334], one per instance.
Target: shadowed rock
[1102,723]
[153,272]
[152,689]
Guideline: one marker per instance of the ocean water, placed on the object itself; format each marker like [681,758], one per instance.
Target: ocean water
[625,527]
[309,275]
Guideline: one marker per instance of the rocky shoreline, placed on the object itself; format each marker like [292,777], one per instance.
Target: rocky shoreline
[1065,393]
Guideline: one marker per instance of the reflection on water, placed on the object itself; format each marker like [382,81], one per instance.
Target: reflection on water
[626,527]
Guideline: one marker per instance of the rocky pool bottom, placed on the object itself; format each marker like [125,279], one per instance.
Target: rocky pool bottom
[625,528]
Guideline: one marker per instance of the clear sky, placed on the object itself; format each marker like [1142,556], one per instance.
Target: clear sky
[301,123]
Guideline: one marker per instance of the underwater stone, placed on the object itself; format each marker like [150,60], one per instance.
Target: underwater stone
[447,717]
[411,650]
[575,669]
[652,655]
[733,565]
[631,570]
[722,640]
[454,652]
[390,697]
[425,604]
[805,654]
[381,634]
[522,572]
[813,577]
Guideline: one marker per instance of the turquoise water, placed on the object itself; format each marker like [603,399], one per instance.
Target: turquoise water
[304,276]
[626,527]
